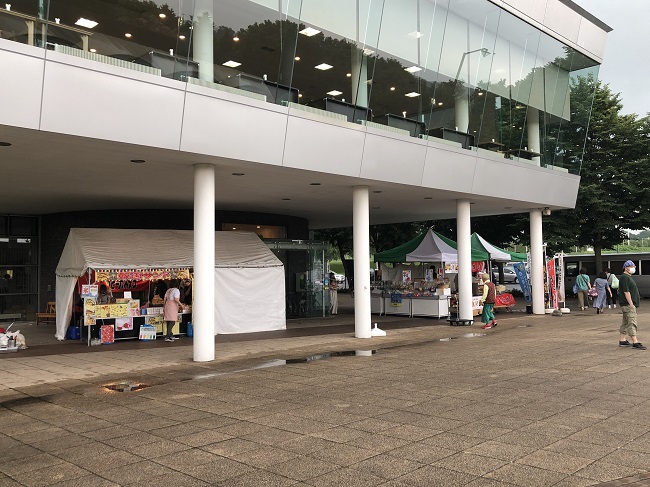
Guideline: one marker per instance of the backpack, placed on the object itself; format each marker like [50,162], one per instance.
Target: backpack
[614,283]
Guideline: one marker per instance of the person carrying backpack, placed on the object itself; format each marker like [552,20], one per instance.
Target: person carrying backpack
[612,280]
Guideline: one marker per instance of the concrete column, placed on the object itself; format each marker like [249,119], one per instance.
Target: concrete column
[464,239]
[461,109]
[359,77]
[361,238]
[537,261]
[532,124]
[203,38]
[203,288]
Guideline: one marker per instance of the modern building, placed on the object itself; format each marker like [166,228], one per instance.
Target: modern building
[295,115]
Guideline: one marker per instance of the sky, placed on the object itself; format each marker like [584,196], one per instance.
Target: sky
[625,65]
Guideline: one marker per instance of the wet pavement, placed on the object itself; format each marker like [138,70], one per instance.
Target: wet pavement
[536,401]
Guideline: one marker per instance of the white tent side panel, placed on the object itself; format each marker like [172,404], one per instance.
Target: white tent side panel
[249,300]
[64,293]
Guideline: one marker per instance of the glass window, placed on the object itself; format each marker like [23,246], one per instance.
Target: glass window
[617,265]
[590,267]
[644,268]
[571,269]
[20,226]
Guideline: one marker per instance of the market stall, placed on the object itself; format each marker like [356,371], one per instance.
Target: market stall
[249,278]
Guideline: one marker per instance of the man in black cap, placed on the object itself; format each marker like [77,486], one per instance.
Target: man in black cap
[629,298]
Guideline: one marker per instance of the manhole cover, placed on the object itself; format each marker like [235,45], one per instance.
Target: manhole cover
[125,386]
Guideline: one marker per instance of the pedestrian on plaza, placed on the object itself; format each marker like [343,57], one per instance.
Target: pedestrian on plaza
[488,300]
[604,292]
[612,280]
[334,295]
[172,303]
[584,285]
[629,303]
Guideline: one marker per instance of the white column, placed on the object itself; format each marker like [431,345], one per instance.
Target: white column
[203,288]
[532,124]
[361,242]
[537,261]
[359,77]
[461,109]
[464,239]
[203,38]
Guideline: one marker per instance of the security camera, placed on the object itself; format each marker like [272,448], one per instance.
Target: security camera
[546,211]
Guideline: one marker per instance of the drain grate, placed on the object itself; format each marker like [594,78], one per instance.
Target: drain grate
[125,386]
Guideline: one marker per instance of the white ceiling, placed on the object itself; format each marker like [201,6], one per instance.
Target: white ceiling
[47,173]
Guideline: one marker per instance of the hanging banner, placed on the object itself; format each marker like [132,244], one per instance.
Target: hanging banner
[552,283]
[524,283]
[559,271]
[141,275]
[478,266]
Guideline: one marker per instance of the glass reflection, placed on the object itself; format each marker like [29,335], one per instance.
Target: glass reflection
[464,72]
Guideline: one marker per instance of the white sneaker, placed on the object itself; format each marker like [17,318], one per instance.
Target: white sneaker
[176,338]
[609,306]
[614,306]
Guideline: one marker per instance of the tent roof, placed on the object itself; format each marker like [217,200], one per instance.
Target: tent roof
[429,246]
[112,248]
[495,252]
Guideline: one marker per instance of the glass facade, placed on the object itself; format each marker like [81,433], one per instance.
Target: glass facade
[462,71]
[19,265]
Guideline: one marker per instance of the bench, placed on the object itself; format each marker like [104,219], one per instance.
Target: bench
[11,316]
[49,315]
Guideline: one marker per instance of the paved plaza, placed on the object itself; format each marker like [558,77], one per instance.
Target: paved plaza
[536,401]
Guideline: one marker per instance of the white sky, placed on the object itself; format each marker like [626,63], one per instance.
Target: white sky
[626,66]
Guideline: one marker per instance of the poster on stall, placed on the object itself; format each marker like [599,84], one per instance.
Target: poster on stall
[89,290]
[451,267]
[134,307]
[430,275]
[406,276]
[396,299]
[478,266]
[122,324]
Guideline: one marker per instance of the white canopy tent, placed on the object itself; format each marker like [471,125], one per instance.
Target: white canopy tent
[433,249]
[249,278]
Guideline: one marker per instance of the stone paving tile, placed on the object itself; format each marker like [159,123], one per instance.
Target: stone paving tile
[501,451]
[60,472]
[557,462]
[575,481]
[264,456]
[159,448]
[432,476]
[377,442]
[175,479]
[421,452]
[580,449]
[526,476]
[25,464]
[629,458]
[132,473]
[387,466]
[469,463]
[337,478]
[302,468]
[452,441]
[216,471]
[87,481]
[605,471]
[110,460]
[342,454]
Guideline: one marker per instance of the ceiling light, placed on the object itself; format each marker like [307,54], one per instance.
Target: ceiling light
[299,95]
[162,15]
[334,93]
[181,37]
[349,75]
[415,34]
[232,64]
[480,93]
[392,88]
[314,184]
[440,104]
[236,39]
[234,228]
[368,52]
[297,58]
[309,31]
[428,197]
[413,69]
[258,226]
[93,50]
[138,161]
[324,66]
[88,24]
[286,199]
[238,174]
[5,144]
[412,94]
[377,191]
[127,35]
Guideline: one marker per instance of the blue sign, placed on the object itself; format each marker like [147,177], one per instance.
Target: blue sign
[522,277]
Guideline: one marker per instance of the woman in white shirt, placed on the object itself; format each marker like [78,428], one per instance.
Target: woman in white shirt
[170,309]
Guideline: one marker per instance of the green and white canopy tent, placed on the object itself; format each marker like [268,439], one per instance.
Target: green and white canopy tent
[496,253]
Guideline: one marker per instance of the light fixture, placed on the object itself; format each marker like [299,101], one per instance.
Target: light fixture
[238,174]
[334,93]
[162,15]
[259,226]
[377,191]
[428,197]
[181,37]
[231,64]
[138,161]
[546,211]
[236,39]
[368,52]
[439,104]
[309,31]
[415,34]
[324,66]
[127,35]
[349,75]
[412,94]
[413,69]
[480,93]
[234,228]
[93,50]
[297,58]
[88,24]
[286,199]
[314,184]
[392,88]
[299,95]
